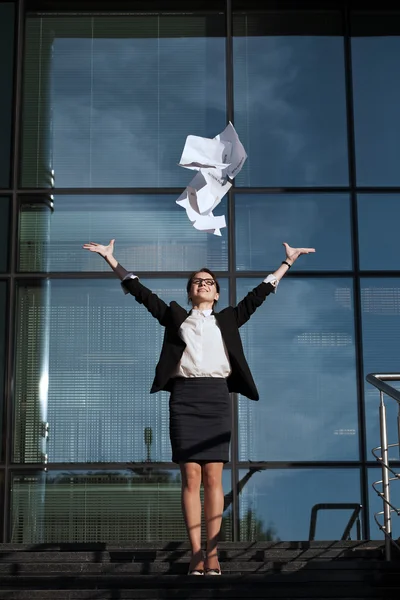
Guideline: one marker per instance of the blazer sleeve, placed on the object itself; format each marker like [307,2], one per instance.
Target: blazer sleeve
[251,302]
[155,305]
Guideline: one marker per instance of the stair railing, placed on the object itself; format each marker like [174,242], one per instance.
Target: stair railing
[354,518]
[381,453]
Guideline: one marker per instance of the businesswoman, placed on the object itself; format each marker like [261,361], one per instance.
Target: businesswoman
[201,361]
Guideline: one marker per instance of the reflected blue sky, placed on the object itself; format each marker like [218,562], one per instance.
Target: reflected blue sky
[378,231]
[152,233]
[300,346]
[99,382]
[117,109]
[290,110]
[376,93]
[283,500]
[122,101]
[263,222]
[380,304]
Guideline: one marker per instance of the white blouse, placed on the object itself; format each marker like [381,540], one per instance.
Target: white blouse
[205,354]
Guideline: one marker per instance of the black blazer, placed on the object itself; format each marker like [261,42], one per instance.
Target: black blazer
[229,320]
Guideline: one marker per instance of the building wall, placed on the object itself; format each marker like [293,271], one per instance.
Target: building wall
[96,110]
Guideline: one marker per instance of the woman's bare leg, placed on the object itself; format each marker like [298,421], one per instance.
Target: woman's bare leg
[191,508]
[213,509]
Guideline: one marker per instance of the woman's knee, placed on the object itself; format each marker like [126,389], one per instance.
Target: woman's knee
[191,476]
[212,476]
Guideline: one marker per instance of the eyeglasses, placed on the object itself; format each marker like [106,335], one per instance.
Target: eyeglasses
[198,281]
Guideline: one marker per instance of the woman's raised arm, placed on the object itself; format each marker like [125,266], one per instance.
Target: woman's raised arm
[107,252]
[130,283]
[246,307]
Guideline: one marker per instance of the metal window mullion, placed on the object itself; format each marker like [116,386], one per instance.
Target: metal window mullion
[231,264]
[356,267]
[11,313]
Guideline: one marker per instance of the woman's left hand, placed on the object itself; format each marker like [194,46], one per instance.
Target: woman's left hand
[293,254]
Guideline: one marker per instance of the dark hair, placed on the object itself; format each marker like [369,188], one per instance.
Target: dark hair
[192,276]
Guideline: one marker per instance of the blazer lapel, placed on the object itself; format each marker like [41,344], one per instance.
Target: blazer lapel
[179,315]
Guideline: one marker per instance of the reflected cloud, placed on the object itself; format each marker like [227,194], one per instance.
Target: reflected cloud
[313,220]
[123,97]
[285,109]
[307,391]
[119,114]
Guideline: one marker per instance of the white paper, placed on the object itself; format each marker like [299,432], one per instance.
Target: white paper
[200,153]
[216,160]
[206,191]
[208,223]
[237,155]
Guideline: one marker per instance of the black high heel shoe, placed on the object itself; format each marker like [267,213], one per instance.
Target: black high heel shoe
[197,571]
[213,572]
[216,571]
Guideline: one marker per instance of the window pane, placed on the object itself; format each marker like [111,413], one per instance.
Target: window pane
[6,86]
[378,231]
[380,305]
[376,505]
[109,100]
[142,504]
[277,504]
[86,355]
[264,222]
[4,232]
[375,51]
[152,233]
[290,109]
[300,348]
[3,304]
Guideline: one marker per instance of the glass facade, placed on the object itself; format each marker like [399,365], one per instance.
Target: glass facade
[278,513]
[132,505]
[97,104]
[7,16]
[309,412]
[289,98]
[116,97]
[375,49]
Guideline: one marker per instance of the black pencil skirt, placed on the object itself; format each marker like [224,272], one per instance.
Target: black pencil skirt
[200,420]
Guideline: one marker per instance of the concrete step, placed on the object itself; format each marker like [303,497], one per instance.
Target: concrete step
[272,570]
[312,570]
[134,579]
[226,556]
[184,546]
[245,551]
[208,589]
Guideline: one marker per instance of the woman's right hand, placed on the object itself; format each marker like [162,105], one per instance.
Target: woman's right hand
[104,251]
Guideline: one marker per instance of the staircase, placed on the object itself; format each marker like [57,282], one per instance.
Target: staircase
[286,570]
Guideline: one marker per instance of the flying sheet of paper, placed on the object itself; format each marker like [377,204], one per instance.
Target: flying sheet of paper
[207,190]
[204,153]
[208,223]
[216,160]
[237,154]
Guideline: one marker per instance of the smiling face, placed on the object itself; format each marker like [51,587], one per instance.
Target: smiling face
[203,289]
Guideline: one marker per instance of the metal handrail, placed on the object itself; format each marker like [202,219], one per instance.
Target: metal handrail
[337,506]
[378,380]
